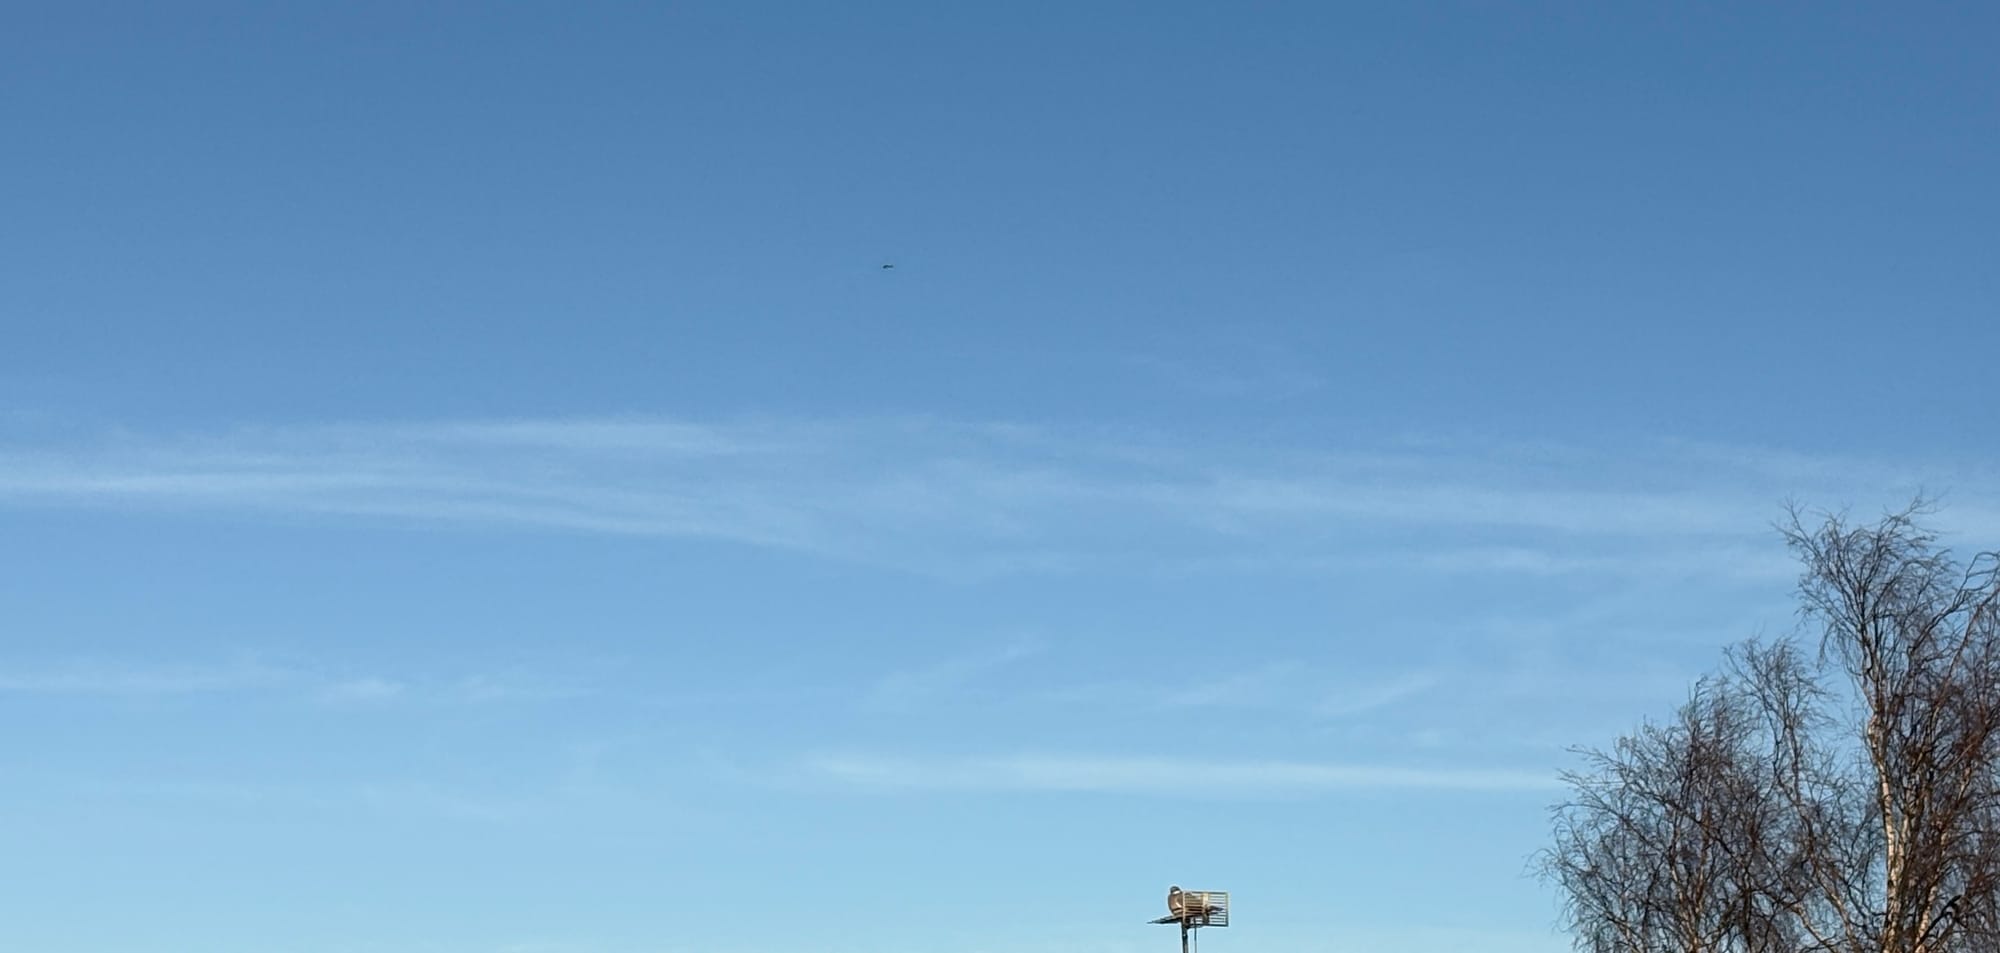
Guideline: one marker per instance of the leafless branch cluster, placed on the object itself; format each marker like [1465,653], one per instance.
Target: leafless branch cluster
[1845,801]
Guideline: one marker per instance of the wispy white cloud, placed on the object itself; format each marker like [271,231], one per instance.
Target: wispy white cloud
[480,688]
[1308,692]
[1157,775]
[397,797]
[1265,379]
[141,678]
[958,498]
[434,800]
[363,690]
[1359,698]
[927,683]
[1262,686]
[100,677]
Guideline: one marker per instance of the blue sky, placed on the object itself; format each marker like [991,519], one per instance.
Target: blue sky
[468,486]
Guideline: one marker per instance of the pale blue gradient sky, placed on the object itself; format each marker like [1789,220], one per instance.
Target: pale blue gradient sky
[467,485]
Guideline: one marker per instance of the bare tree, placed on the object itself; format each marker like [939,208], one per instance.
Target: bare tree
[1674,839]
[1777,814]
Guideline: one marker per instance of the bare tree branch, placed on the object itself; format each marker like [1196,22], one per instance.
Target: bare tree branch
[1847,803]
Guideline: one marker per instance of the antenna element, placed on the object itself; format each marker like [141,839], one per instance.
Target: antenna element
[1194,909]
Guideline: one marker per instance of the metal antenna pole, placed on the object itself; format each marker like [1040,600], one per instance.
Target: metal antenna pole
[1184,937]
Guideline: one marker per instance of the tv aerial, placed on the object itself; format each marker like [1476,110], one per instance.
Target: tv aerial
[1194,909]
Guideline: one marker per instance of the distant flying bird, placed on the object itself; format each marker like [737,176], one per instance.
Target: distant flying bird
[887,267]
